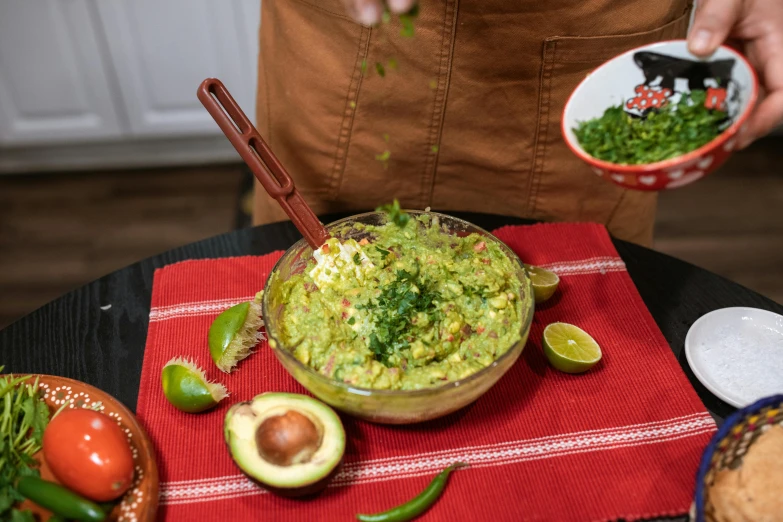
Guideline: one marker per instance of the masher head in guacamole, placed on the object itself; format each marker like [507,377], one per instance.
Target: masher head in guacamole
[408,306]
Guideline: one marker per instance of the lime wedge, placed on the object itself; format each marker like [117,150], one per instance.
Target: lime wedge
[234,333]
[187,388]
[544,282]
[569,348]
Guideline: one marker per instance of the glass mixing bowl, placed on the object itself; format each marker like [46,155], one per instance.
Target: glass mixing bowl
[390,406]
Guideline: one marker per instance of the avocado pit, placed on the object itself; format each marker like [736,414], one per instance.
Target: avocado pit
[291,438]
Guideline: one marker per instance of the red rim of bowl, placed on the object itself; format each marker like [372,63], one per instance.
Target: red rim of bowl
[673,162]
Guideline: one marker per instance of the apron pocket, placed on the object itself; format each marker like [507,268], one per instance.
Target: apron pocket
[561,185]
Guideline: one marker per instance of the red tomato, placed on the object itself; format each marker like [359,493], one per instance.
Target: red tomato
[88,453]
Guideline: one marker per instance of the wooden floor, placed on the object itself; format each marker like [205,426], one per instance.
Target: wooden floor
[59,231]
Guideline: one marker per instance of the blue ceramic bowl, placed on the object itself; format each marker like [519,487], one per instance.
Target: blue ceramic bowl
[726,449]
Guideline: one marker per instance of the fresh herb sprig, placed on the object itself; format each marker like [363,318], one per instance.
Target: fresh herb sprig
[395,214]
[665,133]
[23,419]
[393,311]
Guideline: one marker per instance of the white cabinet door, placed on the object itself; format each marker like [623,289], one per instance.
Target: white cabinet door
[53,84]
[163,49]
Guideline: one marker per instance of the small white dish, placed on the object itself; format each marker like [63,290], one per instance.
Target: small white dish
[737,353]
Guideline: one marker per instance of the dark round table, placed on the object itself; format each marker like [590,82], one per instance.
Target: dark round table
[97,333]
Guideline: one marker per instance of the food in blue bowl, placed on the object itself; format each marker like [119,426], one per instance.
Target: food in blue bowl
[741,472]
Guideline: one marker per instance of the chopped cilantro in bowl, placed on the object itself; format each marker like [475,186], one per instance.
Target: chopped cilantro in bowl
[661,134]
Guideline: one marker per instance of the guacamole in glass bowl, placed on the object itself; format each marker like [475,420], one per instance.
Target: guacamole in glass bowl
[399,322]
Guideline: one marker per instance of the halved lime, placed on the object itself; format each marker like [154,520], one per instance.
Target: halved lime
[569,348]
[544,282]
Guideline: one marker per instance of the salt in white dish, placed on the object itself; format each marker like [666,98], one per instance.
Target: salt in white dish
[737,353]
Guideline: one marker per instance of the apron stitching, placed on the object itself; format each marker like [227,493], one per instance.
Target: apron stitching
[542,128]
[346,127]
[326,11]
[439,103]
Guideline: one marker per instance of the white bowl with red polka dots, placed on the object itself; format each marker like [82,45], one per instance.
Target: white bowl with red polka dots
[644,79]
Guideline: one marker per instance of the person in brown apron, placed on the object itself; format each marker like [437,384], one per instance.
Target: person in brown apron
[467,113]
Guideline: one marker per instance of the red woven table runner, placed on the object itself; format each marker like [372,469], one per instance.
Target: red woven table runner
[621,441]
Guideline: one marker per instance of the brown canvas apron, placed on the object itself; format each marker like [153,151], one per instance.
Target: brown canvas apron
[470,115]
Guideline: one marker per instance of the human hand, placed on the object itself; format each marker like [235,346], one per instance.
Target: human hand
[755,27]
[368,12]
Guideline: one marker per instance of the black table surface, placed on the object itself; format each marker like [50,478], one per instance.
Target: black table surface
[81,337]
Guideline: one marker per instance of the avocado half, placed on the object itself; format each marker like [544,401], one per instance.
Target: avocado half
[291,444]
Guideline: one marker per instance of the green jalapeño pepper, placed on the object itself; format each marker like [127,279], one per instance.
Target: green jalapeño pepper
[419,504]
[59,500]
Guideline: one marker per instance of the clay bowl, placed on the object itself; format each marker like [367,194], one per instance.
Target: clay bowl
[649,76]
[140,502]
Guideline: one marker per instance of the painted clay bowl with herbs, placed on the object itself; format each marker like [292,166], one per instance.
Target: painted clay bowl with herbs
[408,323]
[657,117]
[57,395]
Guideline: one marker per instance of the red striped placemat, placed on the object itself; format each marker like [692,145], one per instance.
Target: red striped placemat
[621,441]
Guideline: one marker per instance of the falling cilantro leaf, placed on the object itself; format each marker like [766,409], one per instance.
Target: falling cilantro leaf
[383,157]
[407,27]
[406,21]
[357,259]
[351,320]
[395,214]
[381,71]
[364,67]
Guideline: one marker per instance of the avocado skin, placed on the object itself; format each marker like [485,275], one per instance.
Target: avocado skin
[304,492]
